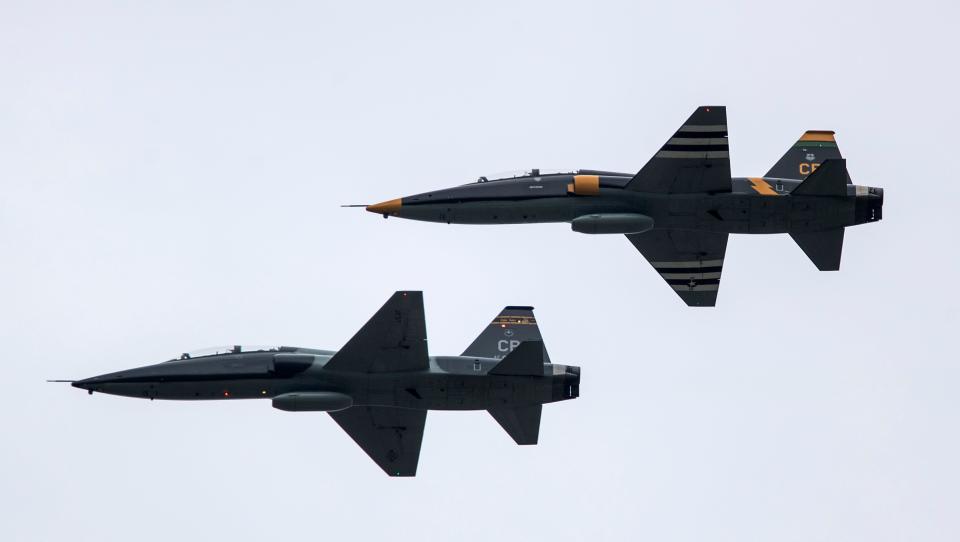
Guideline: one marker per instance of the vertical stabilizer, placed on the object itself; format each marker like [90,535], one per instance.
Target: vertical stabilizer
[514,325]
[806,155]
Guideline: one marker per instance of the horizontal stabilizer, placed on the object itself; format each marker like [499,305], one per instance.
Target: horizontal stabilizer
[830,179]
[523,424]
[525,360]
[822,247]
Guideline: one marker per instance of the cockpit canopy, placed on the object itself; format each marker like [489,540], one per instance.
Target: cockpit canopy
[233,349]
[519,173]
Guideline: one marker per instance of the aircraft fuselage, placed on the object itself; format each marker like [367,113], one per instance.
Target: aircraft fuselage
[450,383]
[754,205]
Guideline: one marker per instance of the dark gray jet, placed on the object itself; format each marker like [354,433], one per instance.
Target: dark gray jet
[679,209]
[379,386]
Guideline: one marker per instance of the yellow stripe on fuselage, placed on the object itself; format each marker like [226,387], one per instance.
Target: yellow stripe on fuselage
[762,187]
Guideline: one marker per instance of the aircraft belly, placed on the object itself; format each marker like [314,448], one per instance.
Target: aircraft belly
[820,213]
[768,214]
[209,390]
[525,211]
[471,392]
[512,212]
[721,213]
[753,214]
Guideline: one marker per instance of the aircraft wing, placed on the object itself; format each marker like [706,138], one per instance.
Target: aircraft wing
[394,339]
[695,160]
[690,261]
[390,436]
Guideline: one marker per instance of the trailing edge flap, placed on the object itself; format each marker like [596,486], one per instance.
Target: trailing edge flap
[695,160]
[830,179]
[525,360]
[822,247]
[510,328]
[689,261]
[393,340]
[390,436]
[523,424]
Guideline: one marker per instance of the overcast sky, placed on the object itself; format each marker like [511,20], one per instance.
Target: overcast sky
[171,179]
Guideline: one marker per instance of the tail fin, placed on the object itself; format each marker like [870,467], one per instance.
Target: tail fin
[822,247]
[830,179]
[511,327]
[523,424]
[806,155]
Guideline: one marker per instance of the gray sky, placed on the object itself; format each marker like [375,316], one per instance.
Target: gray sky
[171,177]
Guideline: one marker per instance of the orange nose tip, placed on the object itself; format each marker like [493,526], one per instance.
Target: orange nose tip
[385,208]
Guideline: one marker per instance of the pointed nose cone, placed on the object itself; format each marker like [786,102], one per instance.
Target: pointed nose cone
[88,383]
[85,384]
[391,207]
[100,382]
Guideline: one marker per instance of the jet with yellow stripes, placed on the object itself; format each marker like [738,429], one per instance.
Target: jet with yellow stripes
[679,209]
